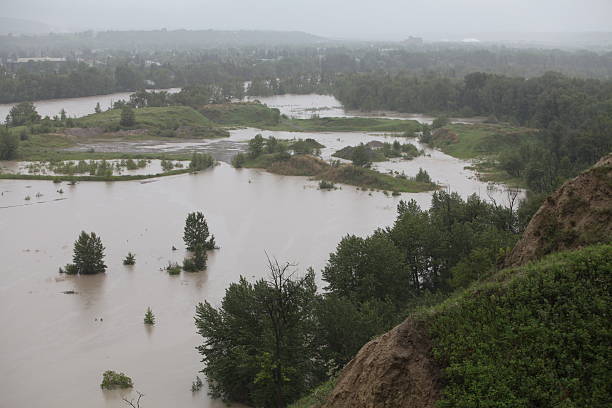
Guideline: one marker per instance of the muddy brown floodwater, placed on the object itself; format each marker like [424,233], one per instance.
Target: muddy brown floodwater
[56,345]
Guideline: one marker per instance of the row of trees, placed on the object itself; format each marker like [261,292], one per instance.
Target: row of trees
[574,115]
[271,70]
[271,341]
[88,252]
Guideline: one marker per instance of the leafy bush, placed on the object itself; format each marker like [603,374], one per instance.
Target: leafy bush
[539,336]
[173,268]
[112,380]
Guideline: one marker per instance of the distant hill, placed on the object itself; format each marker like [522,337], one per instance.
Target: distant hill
[19,26]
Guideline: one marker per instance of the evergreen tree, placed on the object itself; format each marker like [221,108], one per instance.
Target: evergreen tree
[130,259]
[149,317]
[196,232]
[88,256]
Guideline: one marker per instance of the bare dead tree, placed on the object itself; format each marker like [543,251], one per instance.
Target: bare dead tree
[131,403]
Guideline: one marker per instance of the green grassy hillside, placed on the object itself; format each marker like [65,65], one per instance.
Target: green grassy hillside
[535,336]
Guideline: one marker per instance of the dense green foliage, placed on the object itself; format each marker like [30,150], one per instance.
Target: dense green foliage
[539,336]
[88,255]
[22,114]
[201,161]
[258,345]
[112,380]
[279,337]
[196,232]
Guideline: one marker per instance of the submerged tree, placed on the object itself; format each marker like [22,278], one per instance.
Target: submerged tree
[130,259]
[88,257]
[149,317]
[196,232]
[258,346]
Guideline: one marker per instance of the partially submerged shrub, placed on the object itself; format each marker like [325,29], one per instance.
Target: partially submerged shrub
[130,259]
[239,160]
[149,317]
[326,185]
[173,268]
[69,269]
[112,380]
[196,385]
[422,176]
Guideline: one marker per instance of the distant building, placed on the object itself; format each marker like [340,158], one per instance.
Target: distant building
[39,59]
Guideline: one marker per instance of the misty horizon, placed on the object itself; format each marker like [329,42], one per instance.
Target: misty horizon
[340,19]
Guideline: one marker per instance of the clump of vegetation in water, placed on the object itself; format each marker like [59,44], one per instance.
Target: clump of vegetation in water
[201,161]
[88,256]
[173,268]
[197,262]
[112,380]
[196,232]
[149,317]
[196,385]
[422,176]
[167,165]
[326,185]
[130,259]
[239,160]
[375,151]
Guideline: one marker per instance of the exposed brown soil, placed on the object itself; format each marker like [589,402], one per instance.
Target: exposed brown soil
[577,214]
[393,370]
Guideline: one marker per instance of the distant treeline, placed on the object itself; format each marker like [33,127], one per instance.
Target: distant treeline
[123,63]
[574,115]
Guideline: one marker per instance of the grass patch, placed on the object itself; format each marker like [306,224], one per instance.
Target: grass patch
[317,397]
[252,114]
[150,118]
[310,166]
[474,141]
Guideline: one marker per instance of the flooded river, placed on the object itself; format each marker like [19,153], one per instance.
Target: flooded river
[55,346]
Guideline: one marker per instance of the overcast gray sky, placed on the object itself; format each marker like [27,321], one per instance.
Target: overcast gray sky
[334,18]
